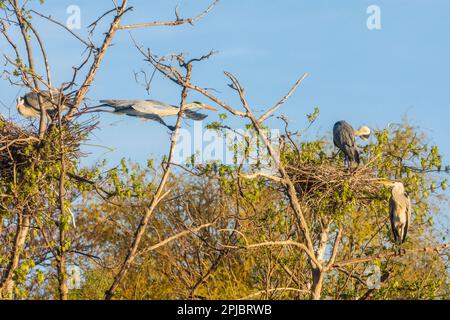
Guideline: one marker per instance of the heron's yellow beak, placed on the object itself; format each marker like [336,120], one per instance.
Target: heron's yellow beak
[365,137]
[208,107]
[385,182]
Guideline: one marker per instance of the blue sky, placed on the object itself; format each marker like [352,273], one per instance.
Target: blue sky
[366,77]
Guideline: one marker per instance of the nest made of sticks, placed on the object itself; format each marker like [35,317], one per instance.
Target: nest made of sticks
[328,180]
[14,142]
[20,147]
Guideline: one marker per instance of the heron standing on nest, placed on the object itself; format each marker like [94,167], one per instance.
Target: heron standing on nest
[344,138]
[155,110]
[28,105]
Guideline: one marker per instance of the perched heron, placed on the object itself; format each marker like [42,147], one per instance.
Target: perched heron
[155,110]
[344,139]
[399,210]
[28,105]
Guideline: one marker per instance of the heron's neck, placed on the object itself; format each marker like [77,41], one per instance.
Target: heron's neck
[190,106]
[27,112]
[398,192]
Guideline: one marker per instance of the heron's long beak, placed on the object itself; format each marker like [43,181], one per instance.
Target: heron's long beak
[208,107]
[385,182]
[366,137]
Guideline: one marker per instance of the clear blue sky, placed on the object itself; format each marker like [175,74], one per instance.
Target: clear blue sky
[366,77]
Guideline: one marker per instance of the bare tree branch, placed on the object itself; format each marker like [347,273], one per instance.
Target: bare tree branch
[387,254]
[174,237]
[133,250]
[282,101]
[176,22]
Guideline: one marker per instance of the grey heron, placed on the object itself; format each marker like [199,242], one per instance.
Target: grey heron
[155,110]
[399,210]
[28,105]
[344,138]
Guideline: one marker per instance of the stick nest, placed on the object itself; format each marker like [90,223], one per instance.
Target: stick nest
[330,181]
[20,148]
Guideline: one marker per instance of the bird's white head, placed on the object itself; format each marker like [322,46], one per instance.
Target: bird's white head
[25,111]
[20,100]
[20,105]
[397,186]
[363,132]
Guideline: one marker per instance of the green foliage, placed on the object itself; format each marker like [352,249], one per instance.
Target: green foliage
[108,204]
[264,214]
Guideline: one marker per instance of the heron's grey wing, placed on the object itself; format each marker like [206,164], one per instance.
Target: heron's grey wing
[344,139]
[120,103]
[32,101]
[149,116]
[408,216]
[343,134]
[155,117]
[49,101]
[392,213]
[336,134]
[197,116]
[56,99]
[160,104]
[152,106]
[347,135]
[120,106]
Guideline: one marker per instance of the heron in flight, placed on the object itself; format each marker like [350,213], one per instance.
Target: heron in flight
[399,210]
[155,110]
[344,138]
[28,105]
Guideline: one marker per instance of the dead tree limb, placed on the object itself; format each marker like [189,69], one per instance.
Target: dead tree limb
[387,254]
[133,250]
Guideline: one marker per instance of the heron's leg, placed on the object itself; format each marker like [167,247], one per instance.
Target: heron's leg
[348,164]
[334,155]
[401,250]
[395,247]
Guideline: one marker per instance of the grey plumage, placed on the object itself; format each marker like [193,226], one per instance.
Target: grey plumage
[344,139]
[196,116]
[146,116]
[28,105]
[155,110]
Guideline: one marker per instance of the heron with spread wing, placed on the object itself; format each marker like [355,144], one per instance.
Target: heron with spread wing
[155,110]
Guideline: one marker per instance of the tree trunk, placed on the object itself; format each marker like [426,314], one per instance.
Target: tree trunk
[62,278]
[317,273]
[1,226]
[7,283]
[61,259]
[316,288]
